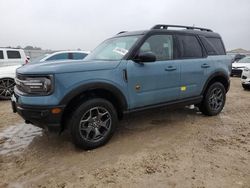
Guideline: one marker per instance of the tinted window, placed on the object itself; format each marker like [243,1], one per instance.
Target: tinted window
[13,54]
[160,45]
[1,54]
[217,44]
[62,56]
[79,55]
[209,47]
[189,47]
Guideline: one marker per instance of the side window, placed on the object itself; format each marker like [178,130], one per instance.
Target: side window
[77,56]
[218,45]
[160,45]
[1,54]
[189,47]
[13,54]
[62,56]
[209,47]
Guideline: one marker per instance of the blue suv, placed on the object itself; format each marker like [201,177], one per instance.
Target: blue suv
[129,72]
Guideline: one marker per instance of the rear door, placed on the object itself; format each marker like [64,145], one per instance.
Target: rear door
[193,65]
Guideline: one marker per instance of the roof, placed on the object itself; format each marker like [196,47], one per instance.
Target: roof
[187,30]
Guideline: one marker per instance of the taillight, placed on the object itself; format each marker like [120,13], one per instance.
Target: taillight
[26,61]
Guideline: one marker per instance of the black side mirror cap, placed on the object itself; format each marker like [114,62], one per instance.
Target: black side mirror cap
[145,57]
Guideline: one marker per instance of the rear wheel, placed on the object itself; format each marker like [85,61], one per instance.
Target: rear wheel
[6,88]
[213,99]
[93,123]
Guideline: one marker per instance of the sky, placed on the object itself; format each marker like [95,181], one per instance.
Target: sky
[73,24]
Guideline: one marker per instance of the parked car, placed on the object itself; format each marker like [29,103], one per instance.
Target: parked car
[62,55]
[238,67]
[129,72]
[10,60]
[245,77]
[238,57]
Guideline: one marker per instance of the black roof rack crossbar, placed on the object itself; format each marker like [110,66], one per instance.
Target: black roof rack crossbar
[159,26]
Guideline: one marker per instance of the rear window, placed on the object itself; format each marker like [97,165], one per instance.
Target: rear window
[13,54]
[1,54]
[189,47]
[217,45]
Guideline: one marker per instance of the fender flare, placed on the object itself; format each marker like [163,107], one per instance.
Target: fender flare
[214,75]
[92,86]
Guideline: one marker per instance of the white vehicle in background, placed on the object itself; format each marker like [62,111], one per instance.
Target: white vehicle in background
[61,55]
[238,66]
[10,60]
[245,77]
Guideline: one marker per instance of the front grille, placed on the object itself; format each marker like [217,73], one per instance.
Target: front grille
[236,72]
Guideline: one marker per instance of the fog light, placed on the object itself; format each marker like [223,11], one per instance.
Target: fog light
[56,110]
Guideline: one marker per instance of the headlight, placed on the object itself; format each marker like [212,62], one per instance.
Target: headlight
[246,69]
[42,85]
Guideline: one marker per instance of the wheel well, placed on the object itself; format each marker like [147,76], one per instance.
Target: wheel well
[220,79]
[94,93]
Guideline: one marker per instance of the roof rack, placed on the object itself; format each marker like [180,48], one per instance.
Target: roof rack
[121,32]
[159,26]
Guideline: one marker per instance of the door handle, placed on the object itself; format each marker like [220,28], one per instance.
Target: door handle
[205,65]
[170,68]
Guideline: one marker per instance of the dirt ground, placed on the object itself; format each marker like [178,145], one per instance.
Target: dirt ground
[157,148]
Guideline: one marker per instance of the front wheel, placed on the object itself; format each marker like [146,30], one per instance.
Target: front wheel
[93,123]
[213,100]
[6,88]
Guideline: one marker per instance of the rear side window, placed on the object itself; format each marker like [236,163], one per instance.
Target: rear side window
[189,47]
[77,56]
[209,47]
[62,56]
[1,54]
[13,54]
[217,45]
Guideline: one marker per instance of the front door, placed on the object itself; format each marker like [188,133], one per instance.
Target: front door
[154,82]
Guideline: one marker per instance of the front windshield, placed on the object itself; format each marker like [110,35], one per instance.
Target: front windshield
[244,60]
[113,49]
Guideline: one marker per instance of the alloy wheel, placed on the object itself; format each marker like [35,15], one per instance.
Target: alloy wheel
[95,124]
[6,88]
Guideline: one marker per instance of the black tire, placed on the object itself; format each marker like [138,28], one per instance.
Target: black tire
[92,115]
[213,100]
[246,87]
[6,88]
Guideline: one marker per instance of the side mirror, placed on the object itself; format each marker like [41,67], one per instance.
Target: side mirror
[145,57]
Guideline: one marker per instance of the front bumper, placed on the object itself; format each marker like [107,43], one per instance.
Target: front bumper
[40,116]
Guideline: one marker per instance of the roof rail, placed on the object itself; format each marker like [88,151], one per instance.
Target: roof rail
[121,32]
[160,26]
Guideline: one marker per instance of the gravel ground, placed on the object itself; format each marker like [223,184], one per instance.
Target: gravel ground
[158,148]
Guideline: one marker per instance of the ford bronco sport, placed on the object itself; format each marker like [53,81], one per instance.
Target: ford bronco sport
[129,72]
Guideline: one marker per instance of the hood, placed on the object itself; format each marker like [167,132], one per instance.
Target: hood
[6,70]
[238,65]
[66,67]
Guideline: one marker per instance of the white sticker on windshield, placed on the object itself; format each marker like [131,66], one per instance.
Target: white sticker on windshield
[121,51]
